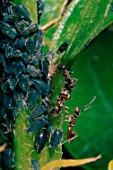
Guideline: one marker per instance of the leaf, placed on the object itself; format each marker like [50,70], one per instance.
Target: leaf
[110,165]
[69,162]
[82,21]
[94,70]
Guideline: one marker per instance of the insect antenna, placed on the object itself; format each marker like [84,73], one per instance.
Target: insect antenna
[86,107]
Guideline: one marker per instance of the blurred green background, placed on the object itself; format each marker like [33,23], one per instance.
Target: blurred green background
[94,70]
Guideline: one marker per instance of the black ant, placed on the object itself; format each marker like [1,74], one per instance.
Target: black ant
[69,82]
[57,109]
[71,134]
[65,93]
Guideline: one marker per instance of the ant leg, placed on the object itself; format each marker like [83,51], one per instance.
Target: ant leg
[69,140]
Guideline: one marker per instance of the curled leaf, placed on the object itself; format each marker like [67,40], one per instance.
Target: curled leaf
[69,162]
[110,165]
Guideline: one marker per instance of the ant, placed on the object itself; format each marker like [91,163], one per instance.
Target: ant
[69,82]
[71,134]
[65,93]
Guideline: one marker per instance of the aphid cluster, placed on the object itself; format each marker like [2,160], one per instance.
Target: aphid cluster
[23,77]
[24,81]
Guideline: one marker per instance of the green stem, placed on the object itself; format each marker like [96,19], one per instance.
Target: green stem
[22,142]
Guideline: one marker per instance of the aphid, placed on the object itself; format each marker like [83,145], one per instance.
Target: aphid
[34,164]
[56,138]
[39,36]
[33,97]
[25,57]
[9,67]
[63,47]
[87,43]
[36,112]
[15,111]
[19,25]
[17,53]
[24,83]
[18,95]
[40,9]
[19,43]
[5,87]
[31,30]
[34,61]
[40,54]
[37,124]
[8,102]
[40,141]
[2,59]
[22,12]
[44,68]
[19,69]
[33,71]
[20,104]
[48,129]
[8,30]
[42,87]
[12,82]
[8,52]
[7,159]
[30,45]
[8,14]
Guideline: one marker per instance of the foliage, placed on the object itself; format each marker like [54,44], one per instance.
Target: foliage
[81,23]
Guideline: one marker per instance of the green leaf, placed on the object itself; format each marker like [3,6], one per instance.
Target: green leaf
[82,21]
[94,70]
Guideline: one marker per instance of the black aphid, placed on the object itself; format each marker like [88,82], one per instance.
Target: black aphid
[56,138]
[63,47]
[40,9]
[40,141]
[36,112]
[7,159]
[34,164]
[38,124]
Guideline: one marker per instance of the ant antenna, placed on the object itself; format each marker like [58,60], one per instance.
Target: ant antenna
[86,107]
